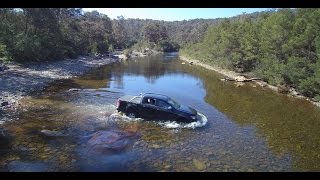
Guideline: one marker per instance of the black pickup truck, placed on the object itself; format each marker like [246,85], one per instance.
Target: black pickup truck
[151,106]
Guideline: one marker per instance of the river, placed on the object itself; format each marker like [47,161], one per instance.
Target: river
[248,128]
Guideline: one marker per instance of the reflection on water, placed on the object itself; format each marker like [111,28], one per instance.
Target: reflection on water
[289,125]
[248,129]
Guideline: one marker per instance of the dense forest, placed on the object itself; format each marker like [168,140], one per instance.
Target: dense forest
[282,47]
[37,34]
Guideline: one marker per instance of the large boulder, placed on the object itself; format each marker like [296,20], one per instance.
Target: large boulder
[109,141]
[240,79]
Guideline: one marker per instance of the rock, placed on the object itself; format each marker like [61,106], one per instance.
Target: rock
[238,84]
[5,103]
[186,169]
[156,146]
[198,164]
[283,89]
[52,133]
[132,128]
[261,83]
[294,92]
[183,63]
[122,56]
[73,89]
[111,141]
[250,170]
[237,162]
[240,79]
[223,152]
[226,79]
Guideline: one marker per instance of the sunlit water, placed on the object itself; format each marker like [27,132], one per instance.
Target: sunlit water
[244,128]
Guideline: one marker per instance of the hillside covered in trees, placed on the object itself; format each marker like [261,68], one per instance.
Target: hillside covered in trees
[282,47]
[37,34]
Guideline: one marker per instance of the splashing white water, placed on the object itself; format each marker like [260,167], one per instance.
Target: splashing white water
[174,125]
[167,124]
[119,117]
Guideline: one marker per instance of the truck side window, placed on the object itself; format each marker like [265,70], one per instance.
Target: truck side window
[163,104]
[145,100]
[150,101]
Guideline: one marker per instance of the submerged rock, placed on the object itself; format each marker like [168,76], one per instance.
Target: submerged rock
[111,141]
[52,133]
[238,84]
[198,164]
[155,146]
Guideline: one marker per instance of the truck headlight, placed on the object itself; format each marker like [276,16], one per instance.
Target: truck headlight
[193,117]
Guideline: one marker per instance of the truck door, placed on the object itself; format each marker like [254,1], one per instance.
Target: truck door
[165,111]
[148,108]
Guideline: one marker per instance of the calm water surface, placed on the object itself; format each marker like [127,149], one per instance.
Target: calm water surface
[248,128]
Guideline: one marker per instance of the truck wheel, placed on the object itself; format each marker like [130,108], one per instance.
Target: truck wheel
[132,114]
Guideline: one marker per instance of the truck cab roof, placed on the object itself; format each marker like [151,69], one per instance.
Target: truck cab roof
[156,96]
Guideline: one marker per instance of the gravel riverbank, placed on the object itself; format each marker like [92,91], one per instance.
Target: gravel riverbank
[18,80]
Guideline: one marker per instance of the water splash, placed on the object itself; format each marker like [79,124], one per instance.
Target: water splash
[175,125]
[119,117]
[167,124]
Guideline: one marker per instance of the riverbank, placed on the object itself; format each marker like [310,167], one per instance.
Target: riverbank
[146,52]
[18,80]
[233,76]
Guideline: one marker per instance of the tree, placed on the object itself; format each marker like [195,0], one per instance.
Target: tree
[119,33]
[154,32]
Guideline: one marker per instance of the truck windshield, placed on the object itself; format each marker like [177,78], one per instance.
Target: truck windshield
[174,103]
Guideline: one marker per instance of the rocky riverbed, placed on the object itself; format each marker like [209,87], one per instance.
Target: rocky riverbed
[18,80]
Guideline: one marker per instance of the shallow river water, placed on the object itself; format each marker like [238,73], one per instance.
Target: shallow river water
[248,128]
